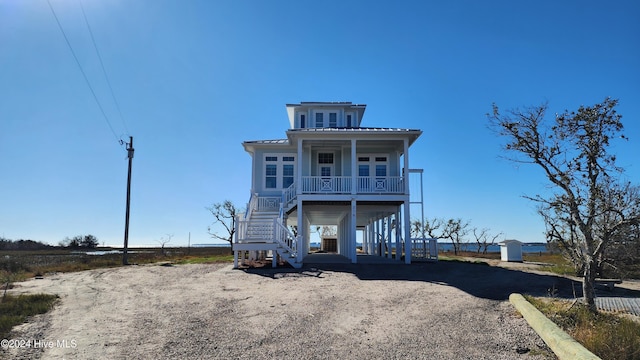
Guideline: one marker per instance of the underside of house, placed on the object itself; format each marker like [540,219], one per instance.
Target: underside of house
[331,172]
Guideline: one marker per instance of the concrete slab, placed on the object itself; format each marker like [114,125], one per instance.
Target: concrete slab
[326,258]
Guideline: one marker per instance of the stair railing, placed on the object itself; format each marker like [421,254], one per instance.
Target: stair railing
[288,195]
[251,206]
[284,237]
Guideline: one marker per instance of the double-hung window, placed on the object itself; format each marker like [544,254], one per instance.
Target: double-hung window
[326,119]
[319,120]
[333,119]
[287,171]
[279,171]
[271,172]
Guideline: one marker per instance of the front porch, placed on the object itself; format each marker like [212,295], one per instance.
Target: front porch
[344,185]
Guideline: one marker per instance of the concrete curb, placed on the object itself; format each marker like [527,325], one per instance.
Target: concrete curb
[563,345]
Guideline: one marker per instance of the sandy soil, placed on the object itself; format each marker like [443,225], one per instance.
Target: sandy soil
[444,310]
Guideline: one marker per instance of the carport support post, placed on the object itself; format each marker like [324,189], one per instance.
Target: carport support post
[407,216]
[406,231]
[352,232]
[389,237]
[302,231]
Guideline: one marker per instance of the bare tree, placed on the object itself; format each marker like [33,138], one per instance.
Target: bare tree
[589,207]
[163,241]
[329,231]
[427,228]
[484,239]
[455,230]
[224,214]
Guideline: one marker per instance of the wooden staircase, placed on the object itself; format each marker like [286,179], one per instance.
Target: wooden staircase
[264,231]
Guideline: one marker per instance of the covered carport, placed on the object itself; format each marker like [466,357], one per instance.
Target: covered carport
[379,223]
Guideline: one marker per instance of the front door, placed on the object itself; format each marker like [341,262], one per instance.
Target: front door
[372,173]
[326,171]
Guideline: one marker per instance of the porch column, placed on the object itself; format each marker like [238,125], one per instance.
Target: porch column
[299,174]
[352,230]
[405,171]
[354,178]
[407,216]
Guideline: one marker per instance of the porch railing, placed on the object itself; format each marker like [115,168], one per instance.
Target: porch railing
[323,184]
[343,185]
[268,203]
[387,184]
[424,249]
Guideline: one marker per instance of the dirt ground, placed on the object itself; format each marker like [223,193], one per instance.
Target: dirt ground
[444,310]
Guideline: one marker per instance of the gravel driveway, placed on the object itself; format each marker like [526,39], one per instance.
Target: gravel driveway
[444,310]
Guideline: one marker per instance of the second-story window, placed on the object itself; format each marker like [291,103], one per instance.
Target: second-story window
[319,120]
[279,171]
[349,121]
[287,171]
[303,120]
[333,120]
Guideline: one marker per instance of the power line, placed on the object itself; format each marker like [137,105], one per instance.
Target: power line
[83,73]
[104,71]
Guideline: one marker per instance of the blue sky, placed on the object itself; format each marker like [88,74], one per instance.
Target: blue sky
[194,79]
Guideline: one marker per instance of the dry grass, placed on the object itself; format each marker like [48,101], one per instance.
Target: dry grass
[609,336]
[15,310]
[33,263]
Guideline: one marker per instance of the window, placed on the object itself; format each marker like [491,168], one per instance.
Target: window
[279,171]
[287,176]
[333,120]
[363,170]
[319,120]
[303,120]
[381,170]
[363,158]
[381,158]
[271,178]
[349,121]
[325,158]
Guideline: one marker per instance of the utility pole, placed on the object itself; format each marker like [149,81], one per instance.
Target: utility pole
[126,221]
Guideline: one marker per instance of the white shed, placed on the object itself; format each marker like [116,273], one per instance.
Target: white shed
[511,250]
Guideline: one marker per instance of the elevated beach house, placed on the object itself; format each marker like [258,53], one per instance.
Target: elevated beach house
[328,171]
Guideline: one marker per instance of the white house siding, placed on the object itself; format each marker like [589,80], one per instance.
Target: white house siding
[343,200]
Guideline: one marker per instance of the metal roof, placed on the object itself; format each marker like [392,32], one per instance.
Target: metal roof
[276,141]
[358,129]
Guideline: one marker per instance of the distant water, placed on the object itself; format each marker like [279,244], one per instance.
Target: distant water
[447,246]
[526,248]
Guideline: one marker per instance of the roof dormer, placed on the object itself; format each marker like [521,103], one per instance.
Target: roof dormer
[314,114]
